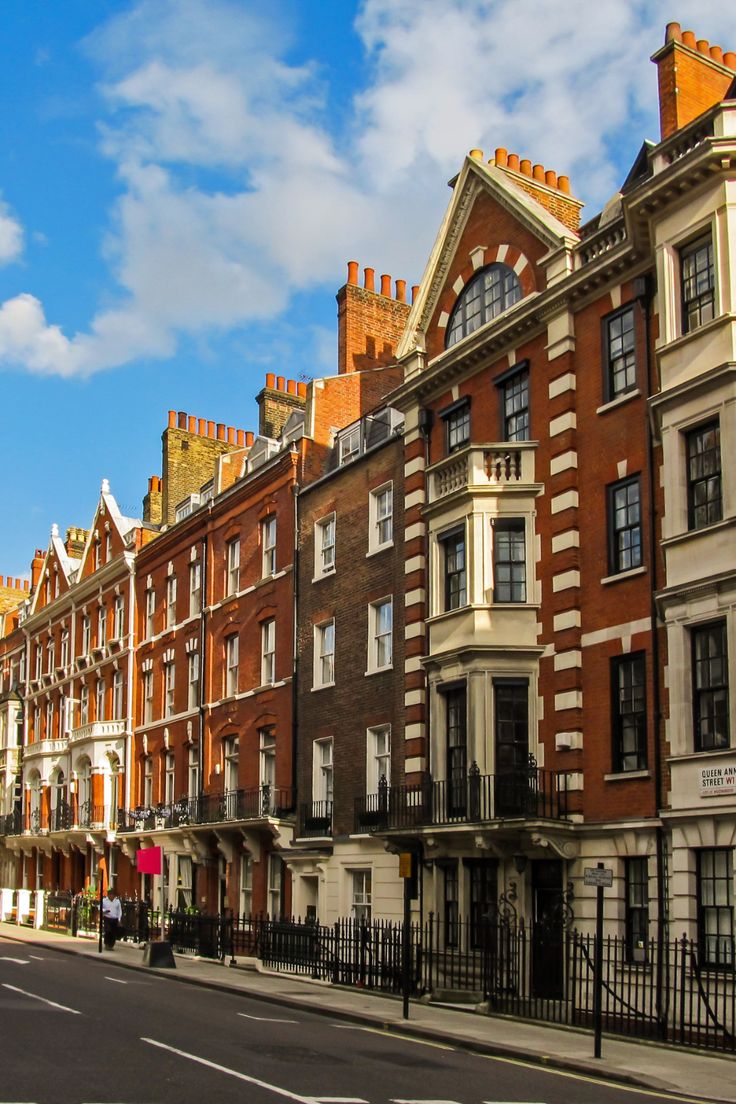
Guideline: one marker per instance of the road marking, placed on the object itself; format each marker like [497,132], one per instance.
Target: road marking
[34,996]
[37,958]
[117,981]
[231,1072]
[20,961]
[386,1032]
[661,1094]
[339,1100]
[264,1019]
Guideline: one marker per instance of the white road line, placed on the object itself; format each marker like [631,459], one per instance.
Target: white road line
[37,957]
[232,1073]
[405,1038]
[264,1019]
[34,996]
[20,961]
[116,980]
[339,1100]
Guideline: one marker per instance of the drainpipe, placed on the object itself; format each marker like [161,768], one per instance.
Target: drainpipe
[426,420]
[295,489]
[202,666]
[644,291]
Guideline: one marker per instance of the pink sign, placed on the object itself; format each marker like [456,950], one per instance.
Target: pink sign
[148,860]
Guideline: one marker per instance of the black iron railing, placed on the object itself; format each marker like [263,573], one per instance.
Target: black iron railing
[529,794]
[11,824]
[231,805]
[315,819]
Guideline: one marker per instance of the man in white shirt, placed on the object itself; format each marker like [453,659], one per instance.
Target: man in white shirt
[112,914]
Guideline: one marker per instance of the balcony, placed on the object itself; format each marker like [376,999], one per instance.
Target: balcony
[531,794]
[231,806]
[315,820]
[97,730]
[504,466]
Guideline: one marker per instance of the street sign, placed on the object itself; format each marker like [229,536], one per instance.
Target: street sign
[598,876]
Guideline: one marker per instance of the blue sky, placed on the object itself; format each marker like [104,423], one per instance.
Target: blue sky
[183,181]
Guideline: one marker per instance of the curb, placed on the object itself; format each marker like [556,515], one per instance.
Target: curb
[580,1067]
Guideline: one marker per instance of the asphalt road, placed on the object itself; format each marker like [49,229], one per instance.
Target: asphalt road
[76,1031]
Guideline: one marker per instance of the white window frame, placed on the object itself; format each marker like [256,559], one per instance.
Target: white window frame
[169,778]
[170,601]
[119,618]
[195,588]
[350,443]
[193,680]
[64,655]
[193,770]
[246,884]
[361,894]
[169,688]
[101,626]
[378,757]
[268,652]
[323,770]
[147,690]
[324,654]
[117,696]
[232,664]
[83,705]
[100,690]
[381,518]
[86,633]
[325,532]
[267,756]
[232,571]
[148,780]
[231,763]
[275,869]
[380,638]
[150,612]
[268,546]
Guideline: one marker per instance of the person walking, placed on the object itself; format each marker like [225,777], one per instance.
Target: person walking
[112,914]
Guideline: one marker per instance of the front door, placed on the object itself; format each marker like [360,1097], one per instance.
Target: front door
[512,747]
[483,877]
[548,930]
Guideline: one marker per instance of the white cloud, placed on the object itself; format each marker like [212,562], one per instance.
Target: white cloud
[236,192]
[11,235]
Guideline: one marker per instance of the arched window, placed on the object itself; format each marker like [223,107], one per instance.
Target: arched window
[493,290]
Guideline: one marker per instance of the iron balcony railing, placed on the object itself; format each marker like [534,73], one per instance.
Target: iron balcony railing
[231,805]
[528,794]
[315,819]
[11,824]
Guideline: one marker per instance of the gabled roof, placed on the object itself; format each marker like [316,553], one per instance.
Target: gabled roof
[474,177]
[108,508]
[68,564]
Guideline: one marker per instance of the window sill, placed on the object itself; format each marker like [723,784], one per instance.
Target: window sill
[325,575]
[621,575]
[627,776]
[379,670]
[710,753]
[322,686]
[693,534]
[379,548]
[620,400]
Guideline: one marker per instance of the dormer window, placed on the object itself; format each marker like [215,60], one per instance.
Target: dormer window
[493,290]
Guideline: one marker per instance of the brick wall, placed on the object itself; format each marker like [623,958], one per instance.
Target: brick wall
[369,324]
[693,76]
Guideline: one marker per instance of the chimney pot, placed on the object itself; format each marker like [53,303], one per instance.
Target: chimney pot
[301,390]
[525,166]
[369,279]
[563,183]
[401,290]
[210,429]
[538,172]
[550,178]
[729,59]
[291,387]
[220,431]
[673,32]
[270,379]
[248,439]
[26,584]
[202,428]
[386,285]
[688,39]
[414,291]
[280,383]
[17,584]
[231,435]
[476,154]
[352,272]
[502,156]
[192,424]
[241,437]
[513,162]
[703,46]
[172,419]
[717,54]
[182,419]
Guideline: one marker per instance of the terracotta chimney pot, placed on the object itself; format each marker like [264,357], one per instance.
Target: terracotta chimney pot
[401,290]
[550,178]
[525,166]
[502,156]
[202,427]
[688,39]
[248,439]
[717,54]
[192,424]
[476,154]
[386,285]
[673,33]
[280,383]
[729,59]
[291,387]
[270,379]
[301,390]
[241,438]
[231,435]
[414,291]
[210,429]
[703,46]
[352,272]
[538,172]
[182,419]
[369,279]
[563,183]
[220,431]
[513,162]
[172,419]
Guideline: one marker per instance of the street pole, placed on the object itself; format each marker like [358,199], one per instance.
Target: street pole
[406,948]
[598,971]
[102,892]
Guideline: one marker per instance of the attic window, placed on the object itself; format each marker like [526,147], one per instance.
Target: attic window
[493,290]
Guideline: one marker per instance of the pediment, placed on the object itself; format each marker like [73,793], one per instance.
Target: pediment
[110,523]
[490,218]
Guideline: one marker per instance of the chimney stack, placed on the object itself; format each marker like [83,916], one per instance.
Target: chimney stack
[693,77]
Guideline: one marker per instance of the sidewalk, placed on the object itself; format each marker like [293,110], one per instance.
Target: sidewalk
[701,1077]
